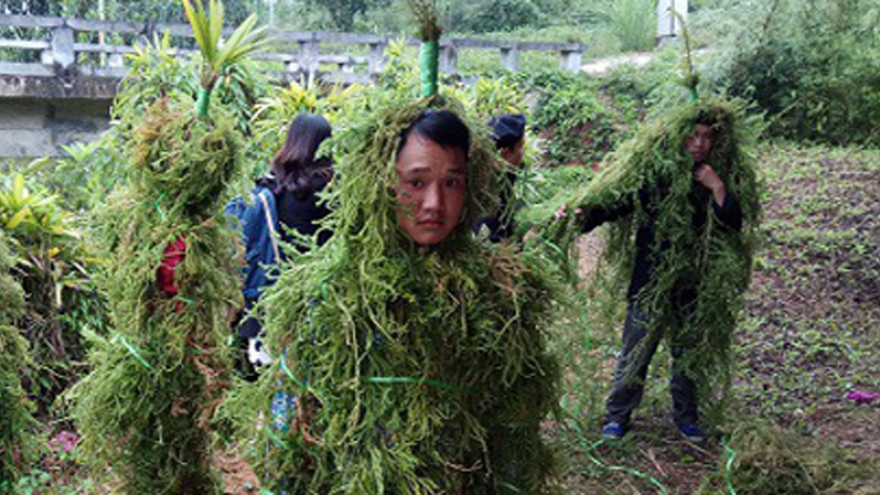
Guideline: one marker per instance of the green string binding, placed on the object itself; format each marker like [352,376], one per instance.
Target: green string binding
[387,380]
[429,62]
[132,349]
[203,101]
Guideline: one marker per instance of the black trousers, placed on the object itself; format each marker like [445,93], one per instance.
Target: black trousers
[632,368]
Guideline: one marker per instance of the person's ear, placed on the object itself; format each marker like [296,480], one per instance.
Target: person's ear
[507,154]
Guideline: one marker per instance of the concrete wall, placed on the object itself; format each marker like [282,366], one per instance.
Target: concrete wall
[31,127]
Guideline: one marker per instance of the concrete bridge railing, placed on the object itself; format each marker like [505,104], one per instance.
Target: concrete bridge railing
[58,77]
[62,56]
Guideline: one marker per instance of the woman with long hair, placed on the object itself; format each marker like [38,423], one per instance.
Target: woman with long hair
[285,208]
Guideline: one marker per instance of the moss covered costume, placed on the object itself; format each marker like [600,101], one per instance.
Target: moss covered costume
[417,370]
[685,258]
[15,421]
[146,407]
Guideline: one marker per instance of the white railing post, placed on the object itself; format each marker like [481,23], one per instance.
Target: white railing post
[308,55]
[571,60]
[510,58]
[377,57]
[63,56]
[449,59]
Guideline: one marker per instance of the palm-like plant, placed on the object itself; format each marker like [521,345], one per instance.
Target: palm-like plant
[217,53]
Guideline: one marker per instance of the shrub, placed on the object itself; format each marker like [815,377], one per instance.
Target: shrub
[577,126]
[814,68]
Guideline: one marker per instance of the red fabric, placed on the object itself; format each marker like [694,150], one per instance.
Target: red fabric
[172,256]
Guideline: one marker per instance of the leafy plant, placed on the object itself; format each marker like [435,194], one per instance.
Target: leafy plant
[55,270]
[16,425]
[813,67]
[576,125]
[219,54]
[273,114]
[145,410]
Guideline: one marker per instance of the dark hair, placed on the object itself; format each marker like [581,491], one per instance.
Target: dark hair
[705,118]
[508,130]
[441,126]
[295,166]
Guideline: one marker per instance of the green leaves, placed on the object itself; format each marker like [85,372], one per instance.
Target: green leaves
[31,215]
[218,54]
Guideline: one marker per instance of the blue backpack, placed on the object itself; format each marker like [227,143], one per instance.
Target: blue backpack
[259,226]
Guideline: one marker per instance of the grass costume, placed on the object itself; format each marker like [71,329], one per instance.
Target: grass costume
[415,369]
[172,283]
[685,258]
[418,370]
[15,421]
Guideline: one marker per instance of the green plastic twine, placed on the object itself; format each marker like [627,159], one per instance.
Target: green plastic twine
[157,204]
[290,374]
[275,438]
[429,62]
[132,349]
[202,102]
[386,380]
[728,466]
[588,450]
[185,300]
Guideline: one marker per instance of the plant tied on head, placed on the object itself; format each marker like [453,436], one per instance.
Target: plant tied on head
[219,53]
[146,408]
[425,13]
[692,77]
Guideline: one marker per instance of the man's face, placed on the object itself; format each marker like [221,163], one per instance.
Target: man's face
[431,187]
[514,156]
[699,143]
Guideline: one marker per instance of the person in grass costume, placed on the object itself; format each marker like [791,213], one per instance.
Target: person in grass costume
[15,421]
[145,410]
[682,198]
[508,133]
[411,357]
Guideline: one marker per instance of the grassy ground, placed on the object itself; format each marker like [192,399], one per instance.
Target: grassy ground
[810,333]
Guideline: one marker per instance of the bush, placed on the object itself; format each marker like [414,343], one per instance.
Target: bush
[55,270]
[632,22]
[577,126]
[814,69]
[762,458]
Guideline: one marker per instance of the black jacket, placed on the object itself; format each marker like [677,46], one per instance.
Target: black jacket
[300,211]
[501,224]
[729,214]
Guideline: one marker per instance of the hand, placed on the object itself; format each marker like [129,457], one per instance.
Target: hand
[710,180]
[562,212]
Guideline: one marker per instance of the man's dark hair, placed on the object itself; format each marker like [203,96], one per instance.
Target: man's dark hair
[295,166]
[507,130]
[705,118]
[442,127]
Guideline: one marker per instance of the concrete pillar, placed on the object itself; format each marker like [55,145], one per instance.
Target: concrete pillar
[448,59]
[62,48]
[116,60]
[308,55]
[571,60]
[376,57]
[510,58]
[668,25]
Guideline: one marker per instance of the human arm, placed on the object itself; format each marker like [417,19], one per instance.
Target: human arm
[588,217]
[725,205]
